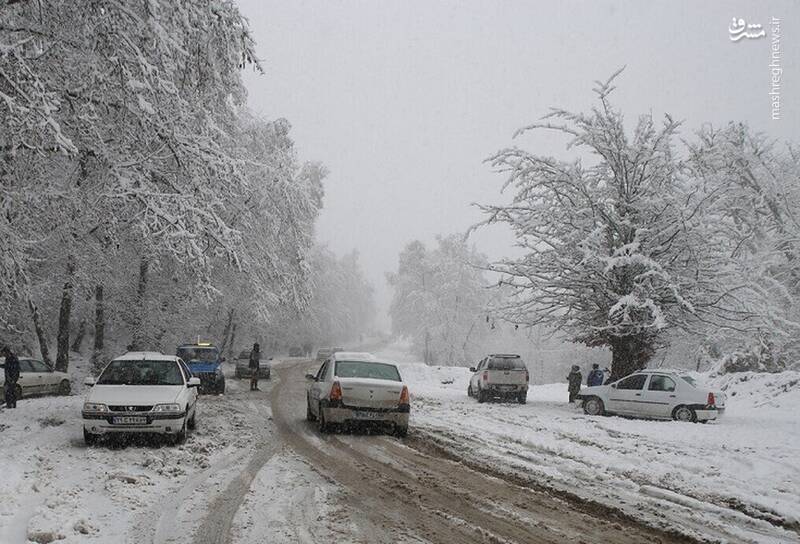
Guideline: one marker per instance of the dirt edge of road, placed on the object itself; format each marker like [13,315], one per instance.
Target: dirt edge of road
[427,443]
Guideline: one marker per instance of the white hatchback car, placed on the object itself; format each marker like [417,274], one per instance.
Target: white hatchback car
[141,392]
[37,378]
[658,394]
[357,388]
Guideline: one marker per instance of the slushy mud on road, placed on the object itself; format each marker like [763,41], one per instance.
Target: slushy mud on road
[403,490]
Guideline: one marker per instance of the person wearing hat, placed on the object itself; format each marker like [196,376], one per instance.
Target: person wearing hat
[595,377]
[11,369]
[255,358]
[574,380]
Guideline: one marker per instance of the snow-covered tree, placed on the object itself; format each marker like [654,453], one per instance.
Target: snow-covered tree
[614,240]
[440,300]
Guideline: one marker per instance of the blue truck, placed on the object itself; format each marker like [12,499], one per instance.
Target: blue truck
[205,362]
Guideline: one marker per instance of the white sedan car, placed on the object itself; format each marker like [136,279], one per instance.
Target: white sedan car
[357,388]
[37,378]
[658,394]
[141,392]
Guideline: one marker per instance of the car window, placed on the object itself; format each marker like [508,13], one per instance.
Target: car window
[208,355]
[25,366]
[632,382]
[506,363]
[362,369]
[661,383]
[141,373]
[39,366]
[689,380]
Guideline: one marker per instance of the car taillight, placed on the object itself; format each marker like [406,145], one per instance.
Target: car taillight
[404,396]
[527,376]
[712,401]
[336,392]
[486,376]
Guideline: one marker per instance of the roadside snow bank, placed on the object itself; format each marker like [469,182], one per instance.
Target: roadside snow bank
[733,480]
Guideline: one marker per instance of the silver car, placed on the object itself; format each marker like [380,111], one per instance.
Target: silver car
[357,388]
[243,366]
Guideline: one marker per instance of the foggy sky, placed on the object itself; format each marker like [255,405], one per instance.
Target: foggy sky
[403,100]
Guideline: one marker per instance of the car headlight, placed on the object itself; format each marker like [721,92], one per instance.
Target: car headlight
[94,407]
[171,407]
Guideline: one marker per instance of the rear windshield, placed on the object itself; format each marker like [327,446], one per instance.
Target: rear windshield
[361,369]
[690,380]
[506,363]
[141,373]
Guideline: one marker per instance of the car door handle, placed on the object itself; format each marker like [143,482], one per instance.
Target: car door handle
[638,394]
[673,396]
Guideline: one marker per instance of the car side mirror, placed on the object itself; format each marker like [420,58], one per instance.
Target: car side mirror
[472,369]
[222,359]
[89,381]
[269,359]
[613,386]
[311,377]
[194,381]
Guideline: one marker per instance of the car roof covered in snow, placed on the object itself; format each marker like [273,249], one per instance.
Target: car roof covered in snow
[663,371]
[354,356]
[504,355]
[145,355]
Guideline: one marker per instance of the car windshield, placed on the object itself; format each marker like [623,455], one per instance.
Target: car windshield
[198,354]
[361,369]
[506,363]
[141,373]
[691,381]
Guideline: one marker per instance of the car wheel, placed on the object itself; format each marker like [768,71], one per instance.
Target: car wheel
[64,387]
[523,398]
[88,438]
[469,390]
[221,390]
[180,436]
[400,431]
[482,397]
[593,406]
[322,424]
[309,414]
[192,423]
[684,413]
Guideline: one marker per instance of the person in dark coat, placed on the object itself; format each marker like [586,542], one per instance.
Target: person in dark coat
[595,377]
[574,380]
[11,376]
[255,358]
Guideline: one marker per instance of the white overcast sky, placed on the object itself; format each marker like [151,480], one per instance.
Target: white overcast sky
[403,100]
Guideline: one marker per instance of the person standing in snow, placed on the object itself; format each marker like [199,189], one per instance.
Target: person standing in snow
[595,377]
[255,358]
[574,380]
[11,375]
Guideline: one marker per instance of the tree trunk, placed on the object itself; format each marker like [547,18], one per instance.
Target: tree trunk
[226,331]
[62,351]
[139,340]
[76,344]
[99,329]
[231,353]
[40,335]
[629,354]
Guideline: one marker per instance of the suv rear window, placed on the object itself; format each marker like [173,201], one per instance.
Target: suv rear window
[506,363]
[362,369]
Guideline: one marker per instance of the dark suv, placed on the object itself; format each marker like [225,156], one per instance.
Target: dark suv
[204,360]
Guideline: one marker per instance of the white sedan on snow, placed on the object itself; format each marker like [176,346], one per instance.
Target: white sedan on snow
[357,388]
[37,378]
[141,392]
[658,394]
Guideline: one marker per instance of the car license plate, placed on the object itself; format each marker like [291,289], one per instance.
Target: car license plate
[507,387]
[367,415]
[129,420]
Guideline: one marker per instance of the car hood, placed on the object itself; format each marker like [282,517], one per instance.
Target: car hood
[202,366]
[134,394]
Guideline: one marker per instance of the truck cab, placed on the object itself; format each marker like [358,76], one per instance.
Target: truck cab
[205,362]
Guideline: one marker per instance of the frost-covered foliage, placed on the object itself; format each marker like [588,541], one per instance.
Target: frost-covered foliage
[616,248]
[440,300]
[129,163]
[752,198]
[341,308]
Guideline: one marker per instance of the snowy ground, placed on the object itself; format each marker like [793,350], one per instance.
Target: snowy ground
[735,480]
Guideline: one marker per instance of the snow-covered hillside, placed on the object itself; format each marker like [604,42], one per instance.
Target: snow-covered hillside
[736,479]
